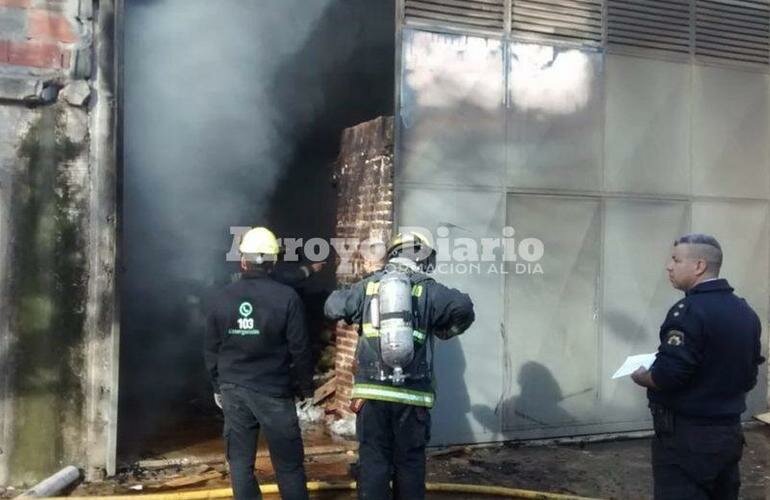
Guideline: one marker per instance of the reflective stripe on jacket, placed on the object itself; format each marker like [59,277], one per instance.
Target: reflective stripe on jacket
[437,310]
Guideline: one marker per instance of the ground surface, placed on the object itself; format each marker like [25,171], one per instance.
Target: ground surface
[618,469]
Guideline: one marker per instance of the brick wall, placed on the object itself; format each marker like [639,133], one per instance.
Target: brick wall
[364,178]
[41,36]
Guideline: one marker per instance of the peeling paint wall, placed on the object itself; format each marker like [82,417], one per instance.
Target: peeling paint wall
[49,161]
[10,117]
[48,285]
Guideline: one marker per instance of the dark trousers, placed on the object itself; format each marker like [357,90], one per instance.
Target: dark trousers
[247,411]
[392,439]
[696,461]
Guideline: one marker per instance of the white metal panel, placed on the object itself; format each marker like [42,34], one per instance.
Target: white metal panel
[552,317]
[469,368]
[555,120]
[452,116]
[731,126]
[637,294]
[741,228]
[647,138]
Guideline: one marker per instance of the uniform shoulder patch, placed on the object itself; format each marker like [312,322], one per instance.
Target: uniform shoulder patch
[674,338]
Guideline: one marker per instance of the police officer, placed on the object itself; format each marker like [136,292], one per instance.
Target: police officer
[706,363]
[255,335]
[398,310]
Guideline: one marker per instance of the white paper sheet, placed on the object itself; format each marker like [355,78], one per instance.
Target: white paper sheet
[631,363]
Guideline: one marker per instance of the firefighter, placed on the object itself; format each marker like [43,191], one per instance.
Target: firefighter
[255,335]
[706,363]
[398,310]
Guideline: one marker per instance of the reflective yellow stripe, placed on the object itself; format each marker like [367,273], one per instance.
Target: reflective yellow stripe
[419,336]
[372,288]
[392,394]
[370,331]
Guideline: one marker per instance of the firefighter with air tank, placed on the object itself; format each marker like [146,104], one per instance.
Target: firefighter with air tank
[399,311]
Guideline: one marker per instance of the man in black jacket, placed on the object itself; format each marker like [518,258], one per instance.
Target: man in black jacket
[707,361]
[255,337]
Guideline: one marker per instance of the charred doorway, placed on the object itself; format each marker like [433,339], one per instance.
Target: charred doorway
[233,112]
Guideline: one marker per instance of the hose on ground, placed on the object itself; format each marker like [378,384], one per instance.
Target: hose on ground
[499,491]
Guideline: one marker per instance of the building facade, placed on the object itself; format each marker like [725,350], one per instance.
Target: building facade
[586,135]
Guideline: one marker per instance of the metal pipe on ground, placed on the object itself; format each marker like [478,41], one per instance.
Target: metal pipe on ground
[54,484]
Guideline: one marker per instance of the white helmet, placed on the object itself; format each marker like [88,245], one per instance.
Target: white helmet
[259,241]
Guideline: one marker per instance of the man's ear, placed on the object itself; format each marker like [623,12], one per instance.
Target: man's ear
[701,266]
[244,267]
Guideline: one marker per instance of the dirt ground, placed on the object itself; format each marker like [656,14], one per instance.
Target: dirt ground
[615,469]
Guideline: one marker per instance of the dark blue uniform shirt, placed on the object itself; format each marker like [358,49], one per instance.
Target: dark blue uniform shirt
[709,353]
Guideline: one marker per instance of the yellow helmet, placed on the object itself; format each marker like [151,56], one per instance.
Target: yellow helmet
[259,240]
[420,248]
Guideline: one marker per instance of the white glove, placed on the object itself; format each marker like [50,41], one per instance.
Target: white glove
[218,400]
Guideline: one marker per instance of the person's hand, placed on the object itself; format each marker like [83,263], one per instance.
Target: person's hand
[218,400]
[643,377]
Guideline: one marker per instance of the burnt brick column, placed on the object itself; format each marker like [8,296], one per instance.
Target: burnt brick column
[364,178]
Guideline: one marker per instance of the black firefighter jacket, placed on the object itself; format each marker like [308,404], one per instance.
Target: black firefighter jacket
[256,338]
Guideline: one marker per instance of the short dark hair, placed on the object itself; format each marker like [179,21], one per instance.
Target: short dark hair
[255,262]
[704,247]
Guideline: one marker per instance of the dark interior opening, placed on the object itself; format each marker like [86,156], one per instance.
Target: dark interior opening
[232,116]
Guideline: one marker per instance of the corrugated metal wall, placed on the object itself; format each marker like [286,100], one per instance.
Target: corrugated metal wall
[732,31]
[603,130]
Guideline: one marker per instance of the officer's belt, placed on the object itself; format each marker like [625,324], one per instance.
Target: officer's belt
[722,420]
[665,413]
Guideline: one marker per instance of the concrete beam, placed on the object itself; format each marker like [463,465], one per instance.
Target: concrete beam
[102,323]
